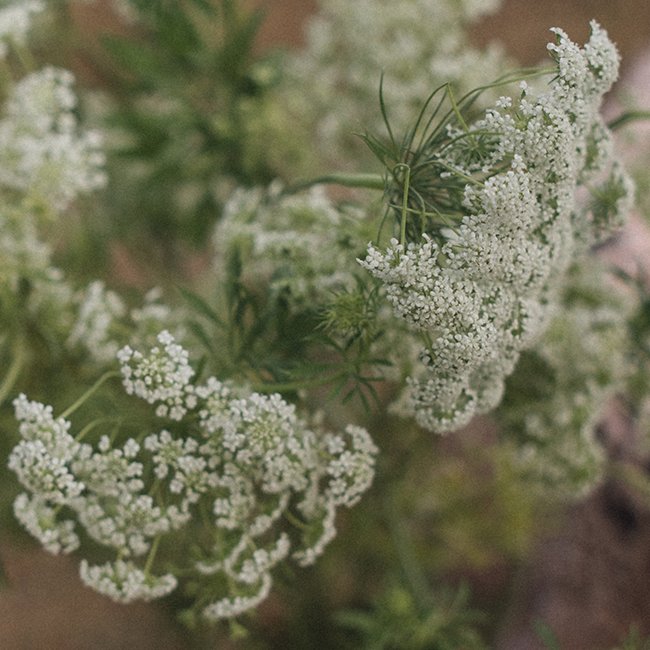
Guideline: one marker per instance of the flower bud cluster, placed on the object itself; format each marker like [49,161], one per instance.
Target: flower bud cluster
[15,21]
[574,371]
[416,44]
[98,309]
[162,377]
[244,467]
[484,290]
[277,237]
[43,151]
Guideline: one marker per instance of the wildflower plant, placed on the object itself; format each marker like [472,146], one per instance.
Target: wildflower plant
[489,224]
[265,485]
[221,437]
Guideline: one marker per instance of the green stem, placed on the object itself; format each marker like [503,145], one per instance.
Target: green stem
[152,555]
[405,202]
[93,389]
[90,426]
[17,363]
[291,386]
[294,521]
[456,110]
[368,181]
[411,568]
[629,116]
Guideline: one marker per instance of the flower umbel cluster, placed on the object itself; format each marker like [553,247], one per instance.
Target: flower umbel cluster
[416,44]
[15,21]
[43,151]
[565,384]
[277,237]
[480,280]
[238,465]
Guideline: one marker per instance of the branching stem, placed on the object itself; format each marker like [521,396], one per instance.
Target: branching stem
[93,389]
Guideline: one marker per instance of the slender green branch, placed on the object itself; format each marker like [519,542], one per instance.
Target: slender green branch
[405,201]
[298,384]
[464,176]
[454,105]
[411,568]
[367,181]
[93,389]
[90,426]
[294,521]
[629,116]
[152,555]
[17,363]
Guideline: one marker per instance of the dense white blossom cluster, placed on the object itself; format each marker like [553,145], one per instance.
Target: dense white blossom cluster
[417,45]
[163,376]
[124,582]
[566,384]
[22,253]
[303,244]
[46,159]
[246,458]
[43,151]
[484,290]
[98,309]
[15,21]
[101,322]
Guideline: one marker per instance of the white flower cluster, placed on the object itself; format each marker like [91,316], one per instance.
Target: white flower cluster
[161,377]
[416,44]
[124,582]
[246,457]
[101,321]
[15,21]
[267,457]
[43,151]
[483,291]
[45,160]
[573,372]
[304,244]
[22,254]
[98,309]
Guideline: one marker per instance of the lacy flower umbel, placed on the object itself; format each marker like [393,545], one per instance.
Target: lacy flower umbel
[480,279]
[239,465]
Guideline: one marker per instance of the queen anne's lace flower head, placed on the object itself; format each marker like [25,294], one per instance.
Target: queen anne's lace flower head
[15,21]
[43,151]
[245,457]
[162,377]
[482,291]
[277,236]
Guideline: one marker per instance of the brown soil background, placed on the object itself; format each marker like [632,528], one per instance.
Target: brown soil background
[45,607]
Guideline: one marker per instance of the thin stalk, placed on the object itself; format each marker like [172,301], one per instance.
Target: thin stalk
[294,521]
[464,176]
[405,202]
[411,568]
[456,110]
[626,118]
[90,426]
[93,389]
[298,384]
[17,363]
[152,555]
